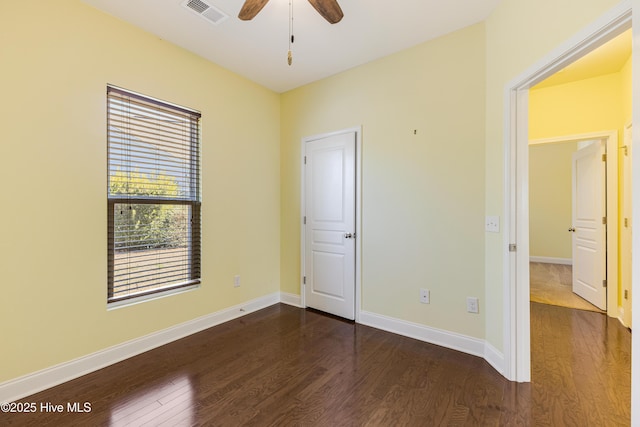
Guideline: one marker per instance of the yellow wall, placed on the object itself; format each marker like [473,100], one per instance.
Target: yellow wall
[423,194]
[519,33]
[590,105]
[627,99]
[550,183]
[57,58]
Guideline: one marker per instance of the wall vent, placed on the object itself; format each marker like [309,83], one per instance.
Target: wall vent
[206,10]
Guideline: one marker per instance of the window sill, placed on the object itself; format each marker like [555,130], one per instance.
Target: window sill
[144,298]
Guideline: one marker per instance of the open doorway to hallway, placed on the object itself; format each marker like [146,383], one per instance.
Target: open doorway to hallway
[517,330]
[571,254]
[590,97]
[572,111]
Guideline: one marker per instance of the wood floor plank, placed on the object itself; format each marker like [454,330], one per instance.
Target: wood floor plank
[552,284]
[284,366]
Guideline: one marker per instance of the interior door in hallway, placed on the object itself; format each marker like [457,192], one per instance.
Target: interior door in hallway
[329,253]
[589,224]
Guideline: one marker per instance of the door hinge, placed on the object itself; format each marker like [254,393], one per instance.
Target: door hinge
[604,220]
[304,220]
[604,283]
[604,157]
[626,150]
[304,280]
[512,247]
[626,294]
[626,223]
[305,160]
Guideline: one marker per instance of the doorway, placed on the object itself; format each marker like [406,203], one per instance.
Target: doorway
[571,257]
[516,258]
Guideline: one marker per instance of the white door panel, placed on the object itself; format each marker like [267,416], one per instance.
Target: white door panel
[330,224]
[589,238]
[328,273]
[327,176]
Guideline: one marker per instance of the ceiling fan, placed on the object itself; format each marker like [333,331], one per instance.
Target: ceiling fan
[329,9]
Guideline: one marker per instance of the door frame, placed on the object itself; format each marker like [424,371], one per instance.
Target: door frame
[626,313]
[516,312]
[611,143]
[358,213]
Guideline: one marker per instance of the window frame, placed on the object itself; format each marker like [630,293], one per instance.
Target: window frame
[193,201]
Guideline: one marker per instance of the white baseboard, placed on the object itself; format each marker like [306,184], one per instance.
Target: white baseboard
[291,299]
[551,260]
[32,383]
[452,340]
[621,317]
[494,357]
[447,339]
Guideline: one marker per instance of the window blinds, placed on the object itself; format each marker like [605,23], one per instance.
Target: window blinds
[153,195]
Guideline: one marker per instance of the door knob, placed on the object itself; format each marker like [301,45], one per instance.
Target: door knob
[572,230]
[349,235]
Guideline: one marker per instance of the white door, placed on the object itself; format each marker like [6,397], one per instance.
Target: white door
[626,230]
[589,237]
[329,264]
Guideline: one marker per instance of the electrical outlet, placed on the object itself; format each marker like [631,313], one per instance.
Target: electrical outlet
[472,305]
[424,296]
[236,281]
[492,224]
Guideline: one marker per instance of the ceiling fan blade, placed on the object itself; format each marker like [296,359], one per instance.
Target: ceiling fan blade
[251,8]
[329,9]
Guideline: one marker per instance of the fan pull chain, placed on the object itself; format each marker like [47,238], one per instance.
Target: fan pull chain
[291,37]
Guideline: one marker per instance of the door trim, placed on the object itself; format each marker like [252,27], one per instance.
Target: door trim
[626,265]
[516,315]
[358,212]
[611,142]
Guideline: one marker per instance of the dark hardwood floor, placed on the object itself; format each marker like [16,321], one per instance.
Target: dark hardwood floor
[285,366]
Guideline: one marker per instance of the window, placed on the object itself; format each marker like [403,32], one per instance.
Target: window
[153,195]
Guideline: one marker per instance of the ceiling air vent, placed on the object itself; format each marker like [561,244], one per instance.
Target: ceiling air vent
[207,11]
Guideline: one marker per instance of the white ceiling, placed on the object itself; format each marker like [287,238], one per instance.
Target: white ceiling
[257,49]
